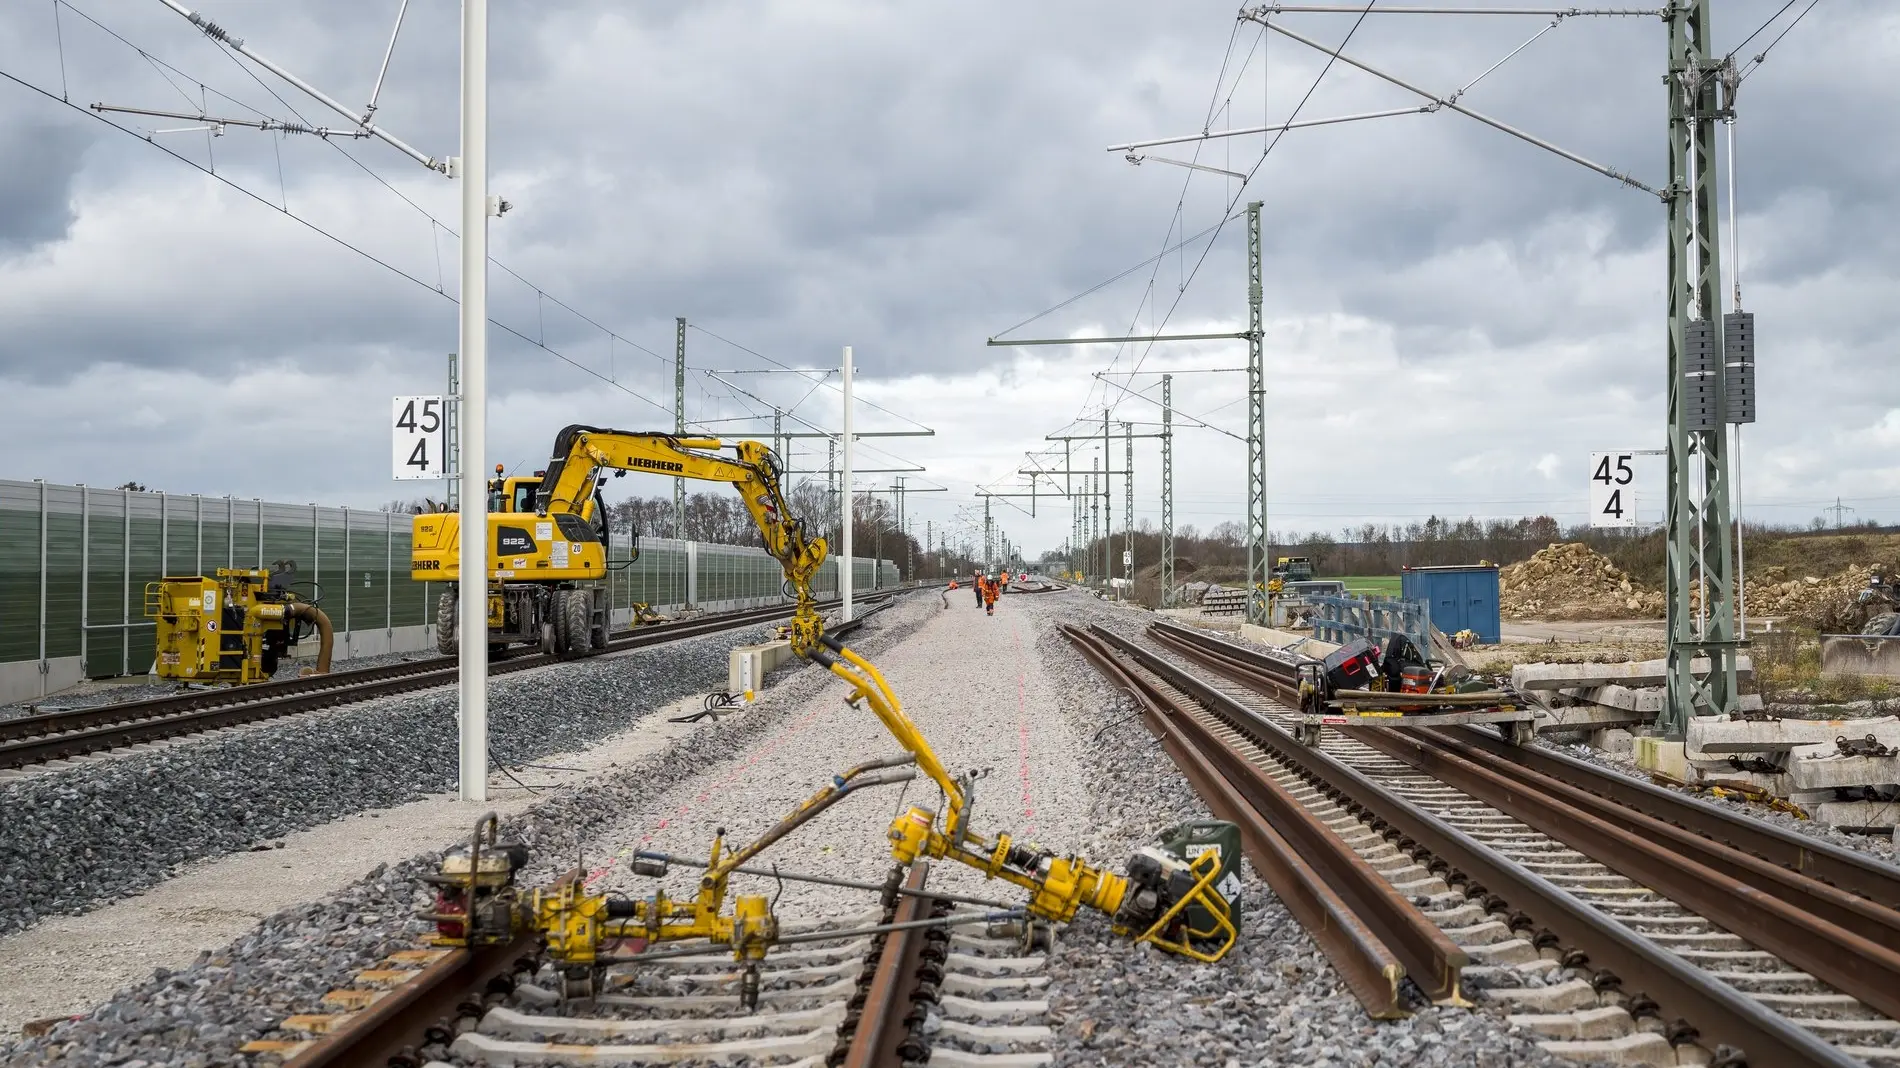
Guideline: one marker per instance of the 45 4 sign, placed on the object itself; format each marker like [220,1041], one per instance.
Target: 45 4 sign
[419,438]
[1612,489]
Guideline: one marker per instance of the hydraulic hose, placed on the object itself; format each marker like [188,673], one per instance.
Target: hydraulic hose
[311,614]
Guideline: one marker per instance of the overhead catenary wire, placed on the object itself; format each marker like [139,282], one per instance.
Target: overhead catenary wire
[314,228]
[1760,57]
[162,67]
[541,294]
[1227,215]
[823,379]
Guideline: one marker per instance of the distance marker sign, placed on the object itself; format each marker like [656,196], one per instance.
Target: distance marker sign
[1612,489]
[418,438]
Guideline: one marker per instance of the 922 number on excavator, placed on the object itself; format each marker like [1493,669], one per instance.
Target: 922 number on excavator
[418,438]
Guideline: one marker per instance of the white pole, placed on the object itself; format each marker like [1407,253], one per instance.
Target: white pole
[472,621]
[844,479]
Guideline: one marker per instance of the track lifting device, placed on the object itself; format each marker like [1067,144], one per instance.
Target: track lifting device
[233,626]
[1164,898]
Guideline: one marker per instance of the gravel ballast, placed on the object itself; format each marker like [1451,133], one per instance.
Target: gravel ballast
[79,836]
[201,1015]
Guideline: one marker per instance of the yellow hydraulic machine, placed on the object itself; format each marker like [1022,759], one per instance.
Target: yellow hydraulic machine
[234,626]
[1162,898]
[547,535]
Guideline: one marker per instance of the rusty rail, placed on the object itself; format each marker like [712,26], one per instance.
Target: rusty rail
[1735,842]
[1708,1009]
[1840,939]
[881,1023]
[401,1022]
[1844,868]
[1371,933]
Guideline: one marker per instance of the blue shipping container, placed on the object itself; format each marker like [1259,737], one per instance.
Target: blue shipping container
[1458,598]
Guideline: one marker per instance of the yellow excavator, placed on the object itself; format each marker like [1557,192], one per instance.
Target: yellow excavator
[1174,901]
[547,534]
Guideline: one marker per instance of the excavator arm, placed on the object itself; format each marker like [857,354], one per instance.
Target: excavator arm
[583,453]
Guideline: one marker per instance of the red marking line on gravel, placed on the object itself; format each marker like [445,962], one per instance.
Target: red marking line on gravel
[732,777]
[1022,732]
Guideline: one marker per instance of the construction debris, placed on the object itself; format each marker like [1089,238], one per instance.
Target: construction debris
[1842,772]
[1831,604]
[1571,581]
[1638,673]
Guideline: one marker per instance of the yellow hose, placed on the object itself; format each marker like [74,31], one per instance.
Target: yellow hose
[310,613]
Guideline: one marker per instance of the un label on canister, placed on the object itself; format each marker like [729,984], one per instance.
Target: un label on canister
[1195,837]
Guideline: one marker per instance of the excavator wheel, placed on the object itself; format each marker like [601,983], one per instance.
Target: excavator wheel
[445,642]
[575,622]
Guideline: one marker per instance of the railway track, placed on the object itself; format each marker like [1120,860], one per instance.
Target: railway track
[917,978]
[36,739]
[1662,930]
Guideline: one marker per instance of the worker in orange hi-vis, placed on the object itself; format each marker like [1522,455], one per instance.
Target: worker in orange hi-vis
[989,597]
[976,583]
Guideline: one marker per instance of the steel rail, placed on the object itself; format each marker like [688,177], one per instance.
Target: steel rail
[1364,960]
[881,1026]
[397,1024]
[1718,1014]
[147,721]
[391,1028]
[1741,846]
[1843,940]
[1854,872]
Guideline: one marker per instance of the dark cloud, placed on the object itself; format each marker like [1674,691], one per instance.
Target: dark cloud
[799,176]
[36,185]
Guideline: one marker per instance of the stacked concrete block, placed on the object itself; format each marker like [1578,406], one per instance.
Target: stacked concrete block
[1843,772]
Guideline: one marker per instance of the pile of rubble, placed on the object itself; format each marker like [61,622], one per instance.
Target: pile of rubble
[1830,605]
[1573,581]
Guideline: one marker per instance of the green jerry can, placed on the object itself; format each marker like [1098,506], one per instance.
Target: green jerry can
[1195,837]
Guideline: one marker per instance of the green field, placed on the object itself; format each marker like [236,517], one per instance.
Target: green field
[1380,585]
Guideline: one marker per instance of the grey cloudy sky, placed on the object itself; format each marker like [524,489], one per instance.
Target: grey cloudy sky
[1455,319]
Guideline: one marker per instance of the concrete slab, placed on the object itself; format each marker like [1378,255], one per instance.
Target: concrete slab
[1856,813]
[1588,718]
[1614,741]
[1628,673]
[1659,755]
[1830,772]
[1715,736]
[1647,700]
[747,665]
[1281,639]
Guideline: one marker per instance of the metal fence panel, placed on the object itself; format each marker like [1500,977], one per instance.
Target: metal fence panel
[103,545]
[20,571]
[1342,619]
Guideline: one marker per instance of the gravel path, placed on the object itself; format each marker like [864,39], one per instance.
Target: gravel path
[76,837]
[199,1016]
[972,684]
[1275,1000]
